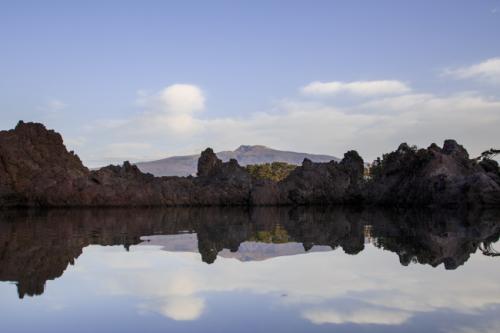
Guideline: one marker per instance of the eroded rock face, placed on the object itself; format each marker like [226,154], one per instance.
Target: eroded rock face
[35,167]
[324,183]
[451,147]
[433,176]
[208,163]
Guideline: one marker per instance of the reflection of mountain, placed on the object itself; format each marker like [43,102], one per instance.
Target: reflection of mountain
[39,246]
[247,251]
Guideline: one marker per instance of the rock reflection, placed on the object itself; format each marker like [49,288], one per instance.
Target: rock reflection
[36,246]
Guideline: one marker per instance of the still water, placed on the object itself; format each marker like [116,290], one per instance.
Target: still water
[259,270]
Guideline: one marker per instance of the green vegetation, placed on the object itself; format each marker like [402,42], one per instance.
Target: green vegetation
[278,235]
[393,161]
[275,171]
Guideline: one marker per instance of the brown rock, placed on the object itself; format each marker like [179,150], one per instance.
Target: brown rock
[208,163]
[432,177]
[37,170]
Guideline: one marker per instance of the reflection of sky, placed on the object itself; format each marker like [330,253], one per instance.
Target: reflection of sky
[149,289]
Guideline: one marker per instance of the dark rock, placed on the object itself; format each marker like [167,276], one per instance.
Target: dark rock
[432,177]
[265,192]
[451,147]
[307,164]
[208,163]
[490,166]
[35,167]
[37,170]
[323,183]
[353,165]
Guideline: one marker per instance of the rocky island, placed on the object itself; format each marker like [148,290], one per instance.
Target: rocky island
[36,170]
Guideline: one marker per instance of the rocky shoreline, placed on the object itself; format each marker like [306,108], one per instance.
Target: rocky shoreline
[36,170]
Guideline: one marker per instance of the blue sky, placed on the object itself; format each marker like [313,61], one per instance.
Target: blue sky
[100,72]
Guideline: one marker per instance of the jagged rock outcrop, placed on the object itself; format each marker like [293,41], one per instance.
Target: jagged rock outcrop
[221,183]
[324,183]
[37,170]
[208,164]
[433,176]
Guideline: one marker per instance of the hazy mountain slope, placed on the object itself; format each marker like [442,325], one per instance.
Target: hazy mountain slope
[247,250]
[186,165]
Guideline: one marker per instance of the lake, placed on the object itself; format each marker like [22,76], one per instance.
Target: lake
[249,270]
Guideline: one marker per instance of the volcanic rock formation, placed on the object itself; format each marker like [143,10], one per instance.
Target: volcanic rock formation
[37,170]
[433,176]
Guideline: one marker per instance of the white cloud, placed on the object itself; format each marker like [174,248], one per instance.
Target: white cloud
[359,88]
[56,105]
[78,141]
[468,102]
[488,70]
[52,106]
[372,128]
[167,117]
[182,98]
[169,125]
[117,152]
[124,150]
[171,108]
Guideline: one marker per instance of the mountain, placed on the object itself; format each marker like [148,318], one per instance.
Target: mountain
[247,250]
[187,165]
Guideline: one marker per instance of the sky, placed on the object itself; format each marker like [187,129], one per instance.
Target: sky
[143,80]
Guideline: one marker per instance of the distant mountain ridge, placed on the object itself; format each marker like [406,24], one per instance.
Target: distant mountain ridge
[244,154]
[247,250]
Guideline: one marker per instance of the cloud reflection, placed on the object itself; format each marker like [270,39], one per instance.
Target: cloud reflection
[183,308]
[359,316]
[178,285]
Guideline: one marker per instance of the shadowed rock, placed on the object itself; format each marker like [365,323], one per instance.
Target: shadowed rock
[37,170]
[208,163]
[433,177]
[324,183]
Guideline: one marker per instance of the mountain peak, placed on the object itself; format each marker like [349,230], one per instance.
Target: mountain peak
[247,148]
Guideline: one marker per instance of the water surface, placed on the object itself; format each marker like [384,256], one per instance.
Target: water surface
[237,270]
